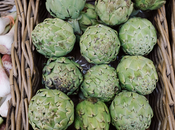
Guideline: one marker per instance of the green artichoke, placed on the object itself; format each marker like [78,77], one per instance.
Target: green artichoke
[65,9]
[62,74]
[138,74]
[50,110]
[138,36]
[149,4]
[88,17]
[53,37]
[92,114]
[114,12]
[99,44]
[130,111]
[100,82]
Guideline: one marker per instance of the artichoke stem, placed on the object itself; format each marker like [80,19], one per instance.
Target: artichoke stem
[75,24]
[135,13]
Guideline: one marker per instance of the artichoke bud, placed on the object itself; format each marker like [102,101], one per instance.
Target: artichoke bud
[53,37]
[114,12]
[89,10]
[68,10]
[99,44]
[89,16]
[149,4]
[143,40]
[137,74]
[65,9]
[92,115]
[50,110]
[130,111]
[100,82]
[65,75]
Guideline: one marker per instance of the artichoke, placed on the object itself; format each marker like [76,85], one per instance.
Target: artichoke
[138,36]
[99,44]
[149,4]
[138,74]
[88,17]
[50,110]
[62,74]
[114,12]
[100,82]
[92,114]
[53,37]
[130,111]
[65,9]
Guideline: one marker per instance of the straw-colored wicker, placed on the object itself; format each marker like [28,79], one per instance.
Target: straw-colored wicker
[26,73]
[163,98]
[6,5]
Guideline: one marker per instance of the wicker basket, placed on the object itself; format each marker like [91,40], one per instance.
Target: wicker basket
[6,5]
[25,76]
[162,99]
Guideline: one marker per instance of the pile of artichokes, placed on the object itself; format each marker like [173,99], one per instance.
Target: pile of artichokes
[105,32]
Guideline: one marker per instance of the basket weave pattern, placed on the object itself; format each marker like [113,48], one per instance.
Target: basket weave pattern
[162,99]
[6,5]
[25,75]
